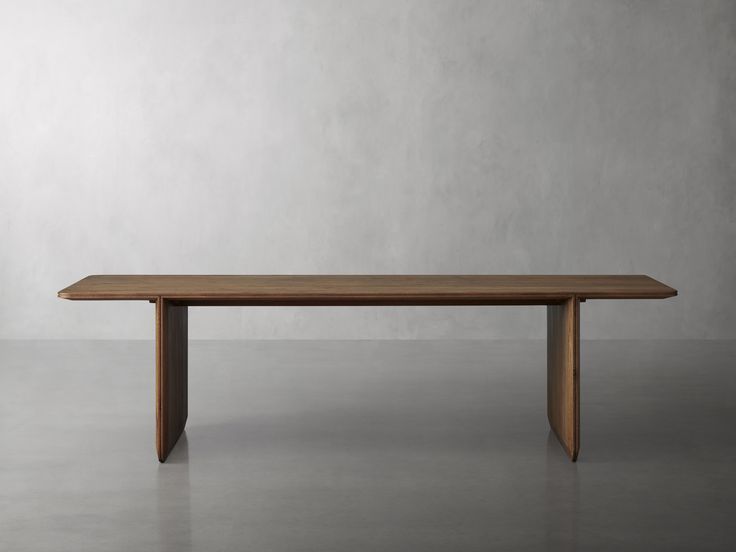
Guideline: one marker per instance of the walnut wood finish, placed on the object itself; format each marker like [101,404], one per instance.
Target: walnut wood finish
[171,374]
[561,294]
[367,290]
[563,373]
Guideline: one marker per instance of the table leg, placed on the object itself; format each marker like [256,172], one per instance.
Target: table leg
[563,373]
[171,374]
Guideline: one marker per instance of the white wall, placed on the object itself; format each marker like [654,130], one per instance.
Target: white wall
[367,137]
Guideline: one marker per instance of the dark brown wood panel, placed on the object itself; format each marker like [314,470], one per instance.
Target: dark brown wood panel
[563,373]
[367,290]
[171,375]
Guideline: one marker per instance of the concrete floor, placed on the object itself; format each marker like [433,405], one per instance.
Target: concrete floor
[372,445]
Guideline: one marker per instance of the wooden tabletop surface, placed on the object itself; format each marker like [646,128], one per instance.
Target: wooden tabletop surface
[366,290]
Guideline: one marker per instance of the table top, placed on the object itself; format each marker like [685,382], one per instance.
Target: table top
[366,289]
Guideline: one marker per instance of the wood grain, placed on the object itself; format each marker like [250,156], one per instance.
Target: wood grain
[563,373]
[171,374]
[561,294]
[367,290]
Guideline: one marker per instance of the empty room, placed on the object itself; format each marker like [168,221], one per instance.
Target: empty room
[321,275]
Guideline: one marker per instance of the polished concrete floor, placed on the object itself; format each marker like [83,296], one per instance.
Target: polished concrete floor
[367,445]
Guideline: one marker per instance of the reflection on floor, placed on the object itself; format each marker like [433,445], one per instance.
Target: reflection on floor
[367,445]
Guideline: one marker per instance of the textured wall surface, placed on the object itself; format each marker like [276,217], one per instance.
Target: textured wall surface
[580,136]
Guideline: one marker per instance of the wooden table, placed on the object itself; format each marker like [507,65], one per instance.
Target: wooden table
[174,294]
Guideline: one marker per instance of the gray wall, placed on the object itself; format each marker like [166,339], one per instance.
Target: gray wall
[368,137]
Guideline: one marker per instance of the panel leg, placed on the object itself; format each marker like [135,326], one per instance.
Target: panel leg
[171,374]
[563,373]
